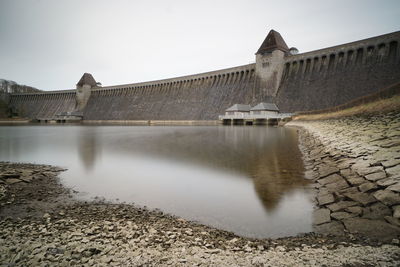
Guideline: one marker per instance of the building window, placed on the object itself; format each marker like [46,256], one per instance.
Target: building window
[265,64]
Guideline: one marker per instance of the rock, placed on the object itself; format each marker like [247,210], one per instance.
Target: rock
[368,170]
[376,211]
[365,187]
[325,199]
[13,181]
[387,197]
[356,210]
[376,176]
[339,185]
[321,216]
[332,228]
[356,180]
[369,228]
[391,163]
[334,178]
[393,171]
[326,170]
[392,220]
[395,187]
[362,198]
[340,215]
[396,211]
[341,205]
[386,182]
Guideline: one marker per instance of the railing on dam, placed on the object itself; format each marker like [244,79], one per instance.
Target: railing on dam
[255,116]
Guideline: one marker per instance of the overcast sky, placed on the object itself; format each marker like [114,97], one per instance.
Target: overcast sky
[49,44]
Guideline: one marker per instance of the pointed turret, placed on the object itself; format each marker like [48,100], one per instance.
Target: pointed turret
[272,42]
[88,79]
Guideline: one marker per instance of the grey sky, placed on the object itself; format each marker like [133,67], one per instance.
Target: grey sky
[49,44]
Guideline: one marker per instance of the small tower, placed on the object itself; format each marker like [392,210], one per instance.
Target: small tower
[83,90]
[269,64]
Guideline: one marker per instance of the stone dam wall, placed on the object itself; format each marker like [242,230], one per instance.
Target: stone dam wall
[333,76]
[315,80]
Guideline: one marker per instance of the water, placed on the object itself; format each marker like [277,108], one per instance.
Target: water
[248,180]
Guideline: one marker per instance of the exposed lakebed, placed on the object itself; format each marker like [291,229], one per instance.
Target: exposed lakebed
[248,180]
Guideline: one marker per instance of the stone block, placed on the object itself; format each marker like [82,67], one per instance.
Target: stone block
[334,178]
[396,211]
[337,186]
[395,187]
[341,205]
[326,170]
[356,180]
[369,170]
[340,215]
[333,228]
[391,163]
[387,197]
[362,198]
[386,182]
[392,220]
[376,211]
[376,176]
[13,181]
[321,216]
[375,229]
[356,210]
[325,199]
[365,187]
[393,171]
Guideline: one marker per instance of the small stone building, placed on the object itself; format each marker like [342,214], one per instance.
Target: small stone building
[238,110]
[267,109]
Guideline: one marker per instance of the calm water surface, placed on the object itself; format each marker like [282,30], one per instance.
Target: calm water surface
[248,180]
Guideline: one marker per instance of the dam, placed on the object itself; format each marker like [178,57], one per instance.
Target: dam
[295,82]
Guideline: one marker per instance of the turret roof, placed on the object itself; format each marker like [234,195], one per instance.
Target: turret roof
[87,78]
[272,42]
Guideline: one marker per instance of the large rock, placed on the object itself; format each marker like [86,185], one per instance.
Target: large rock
[376,176]
[396,211]
[393,171]
[326,170]
[325,199]
[376,211]
[332,228]
[375,229]
[334,178]
[387,197]
[362,198]
[341,205]
[321,216]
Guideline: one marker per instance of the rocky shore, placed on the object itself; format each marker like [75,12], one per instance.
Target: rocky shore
[354,163]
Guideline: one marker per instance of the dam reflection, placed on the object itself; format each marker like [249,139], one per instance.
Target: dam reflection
[268,156]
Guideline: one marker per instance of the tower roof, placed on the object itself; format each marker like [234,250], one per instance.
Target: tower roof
[87,78]
[272,42]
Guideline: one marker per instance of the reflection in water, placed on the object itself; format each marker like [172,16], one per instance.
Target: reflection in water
[88,147]
[248,180]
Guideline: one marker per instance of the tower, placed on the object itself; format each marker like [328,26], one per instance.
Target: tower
[83,90]
[269,64]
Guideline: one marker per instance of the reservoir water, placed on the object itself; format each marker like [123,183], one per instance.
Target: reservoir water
[244,179]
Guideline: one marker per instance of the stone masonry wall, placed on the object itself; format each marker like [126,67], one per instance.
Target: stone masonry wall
[197,97]
[43,105]
[336,75]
